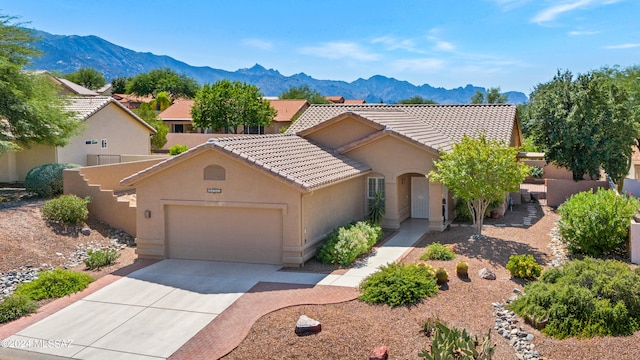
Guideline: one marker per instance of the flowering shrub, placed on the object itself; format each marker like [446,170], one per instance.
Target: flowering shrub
[524,266]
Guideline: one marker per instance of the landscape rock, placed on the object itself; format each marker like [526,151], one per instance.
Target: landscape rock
[379,353]
[487,274]
[307,326]
[85,231]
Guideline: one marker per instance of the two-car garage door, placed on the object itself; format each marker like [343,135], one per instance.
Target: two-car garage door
[244,234]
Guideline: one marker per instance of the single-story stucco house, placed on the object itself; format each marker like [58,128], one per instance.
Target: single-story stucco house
[273,198]
[108,129]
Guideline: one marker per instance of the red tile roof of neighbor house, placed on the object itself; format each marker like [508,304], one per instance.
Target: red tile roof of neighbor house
[346,101]
[125,98]
[179,110]
[335,99]
[287,109]
[434,126]
[291,158]
[86,106]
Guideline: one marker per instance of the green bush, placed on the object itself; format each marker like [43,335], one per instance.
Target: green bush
[398,284]
[66,209]
[46,180]
[348,242]
[462,211]
[437,251]
[100,258]
[16,306]
[178,149]
[524,267]
[457,344]
[584,298]
[54,284]
[536,172]
[595,224]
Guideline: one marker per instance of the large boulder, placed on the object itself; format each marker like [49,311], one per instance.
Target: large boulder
[307,326]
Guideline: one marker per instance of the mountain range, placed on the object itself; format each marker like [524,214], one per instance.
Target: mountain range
[68,53]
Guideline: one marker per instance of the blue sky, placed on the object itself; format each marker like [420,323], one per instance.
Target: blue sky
[513,44]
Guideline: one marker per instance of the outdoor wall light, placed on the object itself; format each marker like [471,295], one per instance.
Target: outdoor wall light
[147,214]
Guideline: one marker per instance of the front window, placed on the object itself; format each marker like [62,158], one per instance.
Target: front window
[374,184]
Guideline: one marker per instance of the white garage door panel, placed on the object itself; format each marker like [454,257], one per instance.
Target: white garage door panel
[224,234]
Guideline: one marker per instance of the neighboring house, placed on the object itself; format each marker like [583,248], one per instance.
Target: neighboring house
[287,111]
[178,116]
[131,101]
[273,198]
[109,130]
[341,100]
[106,90]
[70,88]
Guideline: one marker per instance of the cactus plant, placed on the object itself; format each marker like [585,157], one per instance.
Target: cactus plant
[441,275]
[462,269]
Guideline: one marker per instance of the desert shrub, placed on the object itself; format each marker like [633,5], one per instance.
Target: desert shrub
[584,298]
[536,172]
[462,211]
[453,343]
[398,284]
[66,209]
[16,306]
[178,149]
[46,180]
[99,258]
[437,251]
[54,284]
[524,266]
[348,242]
[462,269]
[376,208]
[595,224]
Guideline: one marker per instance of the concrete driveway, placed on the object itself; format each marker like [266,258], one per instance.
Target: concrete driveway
[150,313]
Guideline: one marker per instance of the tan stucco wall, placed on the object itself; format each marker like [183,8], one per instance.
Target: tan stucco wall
[109,176]
[8,172]
[559,190]
[634,242]
[123,133]
[393,157]
[244,186]
[29,158]
[342,132]
[328,208]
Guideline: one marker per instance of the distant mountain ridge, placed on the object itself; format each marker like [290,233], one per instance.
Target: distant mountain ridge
[68,53]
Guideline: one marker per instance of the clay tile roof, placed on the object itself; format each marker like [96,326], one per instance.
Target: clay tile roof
[287,109]
[335,99]
[291,158]
[354,101]
[434,126]
[85,106]
[179,110]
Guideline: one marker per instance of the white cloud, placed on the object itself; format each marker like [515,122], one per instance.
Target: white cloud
[340,50]
[444,45]
[583,33]
[623,46]
[507,5]
[552,12]
[258,44]
[393,43]
[419,65]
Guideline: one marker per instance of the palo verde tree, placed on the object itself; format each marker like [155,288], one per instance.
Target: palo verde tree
[146,113]
[163,79]
[492,96]
[304,92]
[584,124]
[229,105]
[479,171]
[87,77]
[31,111]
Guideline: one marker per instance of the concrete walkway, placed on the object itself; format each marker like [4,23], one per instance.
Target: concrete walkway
[157,311]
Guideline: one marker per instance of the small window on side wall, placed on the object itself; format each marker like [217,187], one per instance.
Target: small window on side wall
[214,172]
[104,143]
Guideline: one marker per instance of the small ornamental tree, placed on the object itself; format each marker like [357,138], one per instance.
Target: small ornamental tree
[479,171]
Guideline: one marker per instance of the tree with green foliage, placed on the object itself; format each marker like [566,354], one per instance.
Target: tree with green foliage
[417,100]
[584,124]
[161,102]
[229,105]
[304,92]
[119,85]
[492,96]
[31,111]
[146,113]
[163,79]
[87,77]
[479,171]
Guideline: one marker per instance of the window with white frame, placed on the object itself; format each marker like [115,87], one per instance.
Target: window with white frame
[374,184]
[104,143]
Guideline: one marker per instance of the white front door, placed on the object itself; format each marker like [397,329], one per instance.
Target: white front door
[420,197]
